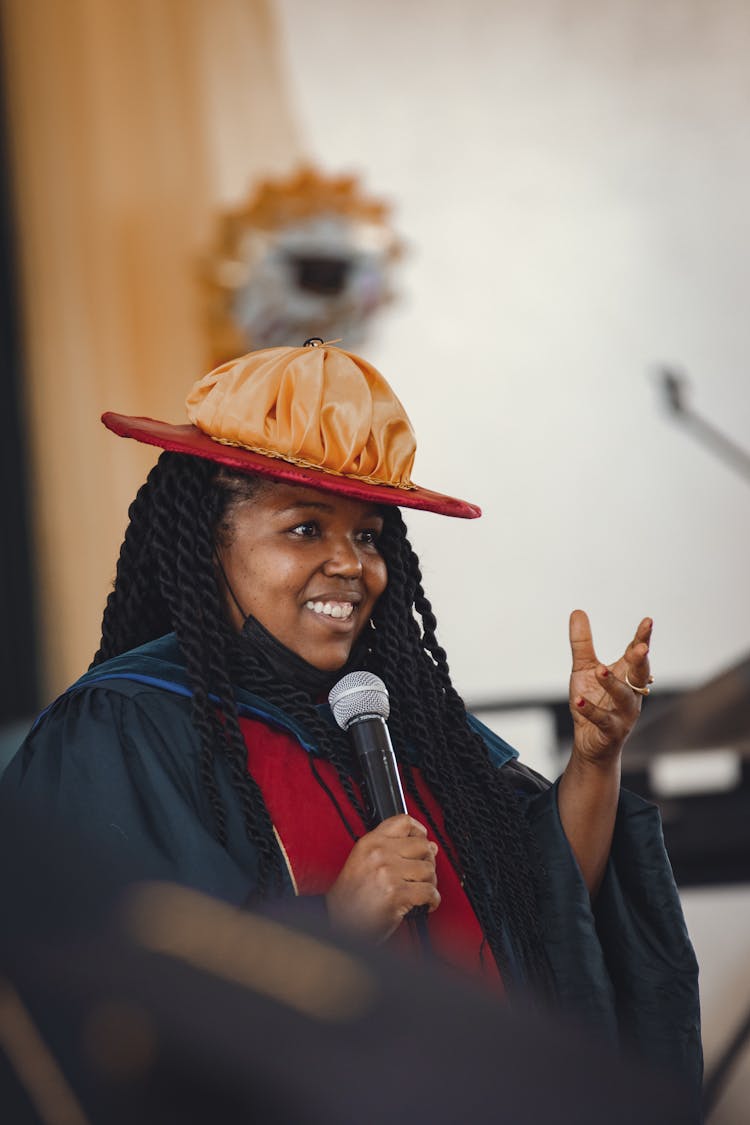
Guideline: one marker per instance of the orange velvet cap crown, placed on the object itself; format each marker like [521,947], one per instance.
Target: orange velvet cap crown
[314,415]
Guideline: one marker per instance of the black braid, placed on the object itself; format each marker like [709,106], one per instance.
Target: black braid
[166,580]
[170,543]
[135,611]
[492,846]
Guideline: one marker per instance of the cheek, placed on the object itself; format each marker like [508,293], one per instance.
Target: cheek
[272,585]
[377,578]
[258,577]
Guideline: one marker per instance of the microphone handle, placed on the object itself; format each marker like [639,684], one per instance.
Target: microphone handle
[377,760]
[372,742]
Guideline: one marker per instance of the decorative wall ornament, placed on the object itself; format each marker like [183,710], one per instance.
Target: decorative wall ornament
[309,255]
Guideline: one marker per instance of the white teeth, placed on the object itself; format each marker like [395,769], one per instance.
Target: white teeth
[340,609]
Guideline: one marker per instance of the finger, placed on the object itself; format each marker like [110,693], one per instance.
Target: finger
[400,826]
[419,894]
[418,871]
[642,638]
[637,654]
[416,847]
[609,722]
[387,854]
[581,640]
[625,700]
[392,874]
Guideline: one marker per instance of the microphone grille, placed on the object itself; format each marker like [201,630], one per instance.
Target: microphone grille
[358,694]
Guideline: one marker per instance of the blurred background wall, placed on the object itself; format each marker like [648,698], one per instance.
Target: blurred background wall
[572,177]
[130,122]
[571,181]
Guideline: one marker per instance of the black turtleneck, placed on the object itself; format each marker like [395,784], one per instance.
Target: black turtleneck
[292,669]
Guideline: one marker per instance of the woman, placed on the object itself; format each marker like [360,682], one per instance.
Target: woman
[265,557]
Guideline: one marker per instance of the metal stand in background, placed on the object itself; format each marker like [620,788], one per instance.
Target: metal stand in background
[674,386]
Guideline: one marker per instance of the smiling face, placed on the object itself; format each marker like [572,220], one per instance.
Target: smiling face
[306,564]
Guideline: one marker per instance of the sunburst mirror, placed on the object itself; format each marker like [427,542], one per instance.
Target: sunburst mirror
[310,255]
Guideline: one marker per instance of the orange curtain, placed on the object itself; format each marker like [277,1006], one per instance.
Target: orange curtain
[131,122]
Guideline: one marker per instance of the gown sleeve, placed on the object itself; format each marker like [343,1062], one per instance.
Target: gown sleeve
[623,963]
[120,767]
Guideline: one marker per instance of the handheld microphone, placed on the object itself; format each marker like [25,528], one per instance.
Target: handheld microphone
[360,705]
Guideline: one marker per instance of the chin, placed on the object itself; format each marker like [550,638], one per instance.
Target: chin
[330,663]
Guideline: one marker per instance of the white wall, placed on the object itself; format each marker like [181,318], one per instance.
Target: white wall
[573,181]
[573,178]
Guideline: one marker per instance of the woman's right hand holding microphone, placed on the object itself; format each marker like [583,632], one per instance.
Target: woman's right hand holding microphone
[388,872]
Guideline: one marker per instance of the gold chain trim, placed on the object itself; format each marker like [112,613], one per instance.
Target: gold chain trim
[303,464]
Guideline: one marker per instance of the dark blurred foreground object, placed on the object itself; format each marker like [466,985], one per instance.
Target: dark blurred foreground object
[148,1002]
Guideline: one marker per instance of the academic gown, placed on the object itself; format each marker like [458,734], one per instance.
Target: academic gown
[118,755]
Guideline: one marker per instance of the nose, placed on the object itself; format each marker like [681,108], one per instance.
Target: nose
[344,559]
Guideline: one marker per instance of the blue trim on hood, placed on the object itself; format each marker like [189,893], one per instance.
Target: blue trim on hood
[159,664]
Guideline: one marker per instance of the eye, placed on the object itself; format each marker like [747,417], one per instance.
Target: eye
[307,530]
[370,535]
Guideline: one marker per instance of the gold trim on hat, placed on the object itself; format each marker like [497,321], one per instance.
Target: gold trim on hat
[407,487]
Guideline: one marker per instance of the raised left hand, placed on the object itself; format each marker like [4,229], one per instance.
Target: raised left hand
[603,706]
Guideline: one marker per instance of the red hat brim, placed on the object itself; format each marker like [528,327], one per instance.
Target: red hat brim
[189,439]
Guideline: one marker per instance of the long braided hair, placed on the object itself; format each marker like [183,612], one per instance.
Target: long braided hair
[166,581]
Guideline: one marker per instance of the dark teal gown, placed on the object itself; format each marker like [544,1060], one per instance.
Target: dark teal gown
[118,756]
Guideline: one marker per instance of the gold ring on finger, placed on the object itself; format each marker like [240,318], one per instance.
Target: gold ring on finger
[646,690]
